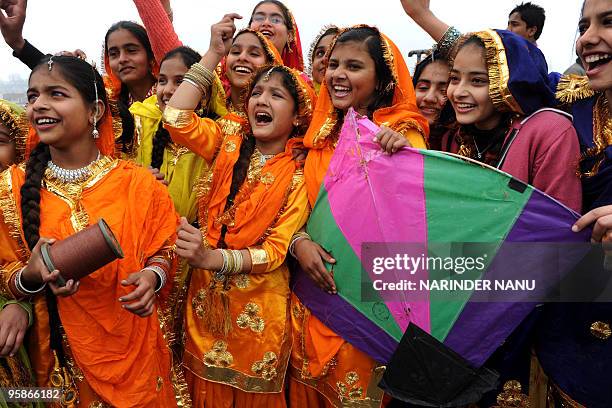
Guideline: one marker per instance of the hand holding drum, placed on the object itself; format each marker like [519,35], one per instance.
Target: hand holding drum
[83,253]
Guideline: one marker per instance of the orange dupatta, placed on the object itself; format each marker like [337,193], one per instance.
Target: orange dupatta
[263,195]
[272,57]
[401,116]
[104,346]
[258,202]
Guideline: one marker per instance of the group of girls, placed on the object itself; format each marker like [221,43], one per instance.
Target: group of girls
[205,168]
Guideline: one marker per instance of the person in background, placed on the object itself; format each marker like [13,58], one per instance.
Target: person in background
[274,20]
[430,81]
[527,20]
[317,53]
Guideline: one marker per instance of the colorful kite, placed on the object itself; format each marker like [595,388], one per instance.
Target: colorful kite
[426,201]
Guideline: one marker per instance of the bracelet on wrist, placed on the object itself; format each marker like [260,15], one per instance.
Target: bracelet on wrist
[161,275]
[294,240]
[21,288]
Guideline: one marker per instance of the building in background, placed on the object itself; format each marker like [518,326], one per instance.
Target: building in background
[14,89]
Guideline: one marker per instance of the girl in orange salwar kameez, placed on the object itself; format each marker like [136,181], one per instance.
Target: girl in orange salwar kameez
[366,72]
[238,331]
[102,335]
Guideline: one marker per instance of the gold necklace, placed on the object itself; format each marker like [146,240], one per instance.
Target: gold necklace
[602,133]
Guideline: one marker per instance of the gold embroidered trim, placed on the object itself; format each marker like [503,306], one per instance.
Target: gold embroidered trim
[176,152]
[71,193]
[237,379]
[499,73]
[512,396]
[572,88]
[329,130]
[253,177]
[18,126]
[372,399]
[218,356]
[266,368]
[259,259]
[197,302]
[12,217]
[602,134]
[349,388]
[250,318]
[181,389]
[297,179]
[409,124]
[178,118]
[389,59]
[120,147]
[170,316]
[7,272]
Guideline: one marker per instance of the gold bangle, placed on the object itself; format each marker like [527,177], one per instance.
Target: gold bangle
[177,118]
[259,259]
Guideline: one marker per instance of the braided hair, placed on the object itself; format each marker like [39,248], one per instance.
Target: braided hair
[247,148]
[82,76]
[161,139]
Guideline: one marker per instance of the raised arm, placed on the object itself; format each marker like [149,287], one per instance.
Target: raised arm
[157,20]
[11,26]
[199,79]
[420,12]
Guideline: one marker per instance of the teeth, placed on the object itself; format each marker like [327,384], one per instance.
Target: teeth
[341,88]
[465,105]
[266,32]
[263,117]
[244,70]
[45,121]
[596,57]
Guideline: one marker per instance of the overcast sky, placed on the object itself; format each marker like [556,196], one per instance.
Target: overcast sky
[55,25]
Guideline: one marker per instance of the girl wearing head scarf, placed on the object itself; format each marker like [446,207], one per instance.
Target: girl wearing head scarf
[15,316]
[500,91]
[326,369]
[13,131]
[274,20]
[251,203]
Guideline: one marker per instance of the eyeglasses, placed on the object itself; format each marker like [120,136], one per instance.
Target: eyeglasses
[274,19]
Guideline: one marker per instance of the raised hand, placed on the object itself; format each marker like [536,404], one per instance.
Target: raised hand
[11,24]
[415,7]
[189,245]
[221,34]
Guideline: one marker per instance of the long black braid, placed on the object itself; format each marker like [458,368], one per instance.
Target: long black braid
[80,75]
[247,148]
[161,139]
[30,193]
